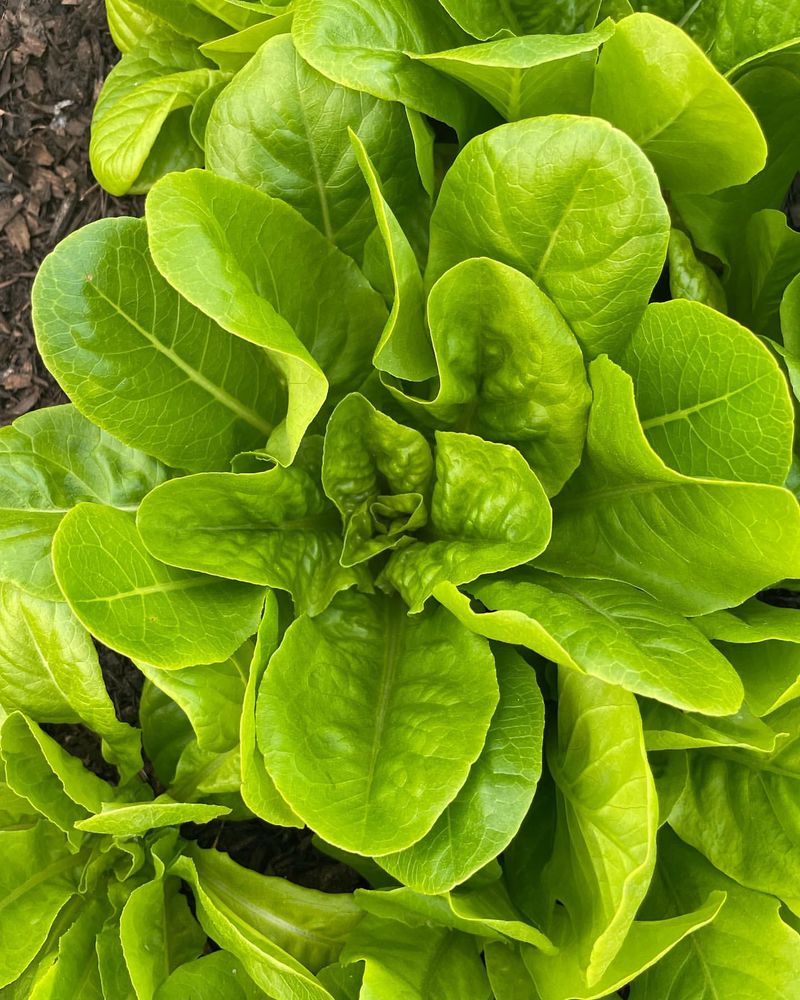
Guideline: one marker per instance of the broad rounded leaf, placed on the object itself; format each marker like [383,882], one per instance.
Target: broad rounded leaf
[571,202]
[370,720]
[732,419]
[530,76]
[162,74]
[141,362]
[367,47]
[295,145]
[141,607]
[272,528]
[51,460]
[709,544]
[522,17]
[233,252]
[489,808]
[685,115]
[509,368]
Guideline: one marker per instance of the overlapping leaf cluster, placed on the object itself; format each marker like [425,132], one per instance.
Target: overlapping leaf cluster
[431,507]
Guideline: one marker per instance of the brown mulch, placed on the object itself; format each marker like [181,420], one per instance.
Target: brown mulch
[54,56]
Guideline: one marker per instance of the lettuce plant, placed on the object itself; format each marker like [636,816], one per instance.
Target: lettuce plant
[430,452]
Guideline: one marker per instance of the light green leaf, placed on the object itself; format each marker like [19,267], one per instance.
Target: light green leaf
[570,202]
[212,977]
[141,607]
[161,74]
[351,743]
[232,251]
[75,970]
[686,114]
[416,963]
[51,460]
[404,349]
[114,975]
[489,512]
[484,911]
[272,528]
[295,145]
[753,798]
[140,361]
[604,847]
[522,17]
[790,316]
[55,783]
[343,981]
[747,951]
[165,731]
[709,544]
[233,52]
[277,973]
[560,978]
[509,368]
[743,28]
[137,819]
[489,808]
[608,630]
[369,48]
[766,259]
[730,420]
[38,876]
[509,978]
[378,474]
[311,926]
[158,934]
[525,77]
[133,18]
[257,787]
[666,728]
[209,777]
[691,278]
[49,670]
[210,694]
[770,84]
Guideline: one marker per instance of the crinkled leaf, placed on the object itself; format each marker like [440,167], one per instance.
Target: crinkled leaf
[509,367]
[489,512]
[272,528]
[572,203]
[370,720]
[295,146]
[141,607]
[141,362]
[709,544]
[233,252]
[490,806]
[690,277]
[378,473]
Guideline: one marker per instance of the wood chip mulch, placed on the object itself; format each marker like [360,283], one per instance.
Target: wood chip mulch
[54,55]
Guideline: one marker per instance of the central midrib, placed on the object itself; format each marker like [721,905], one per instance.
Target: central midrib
[217,392]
